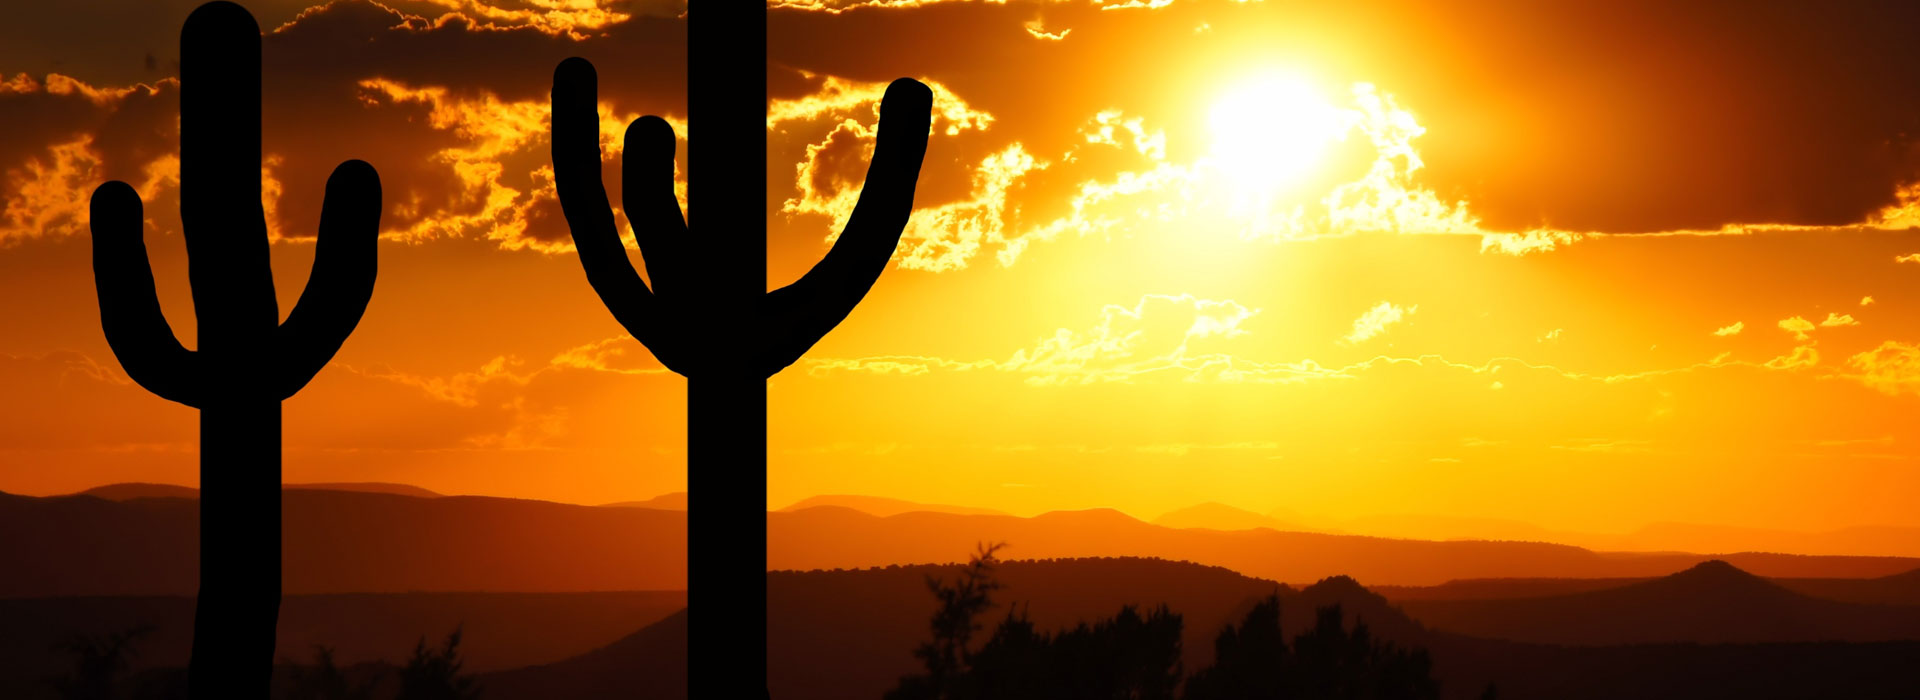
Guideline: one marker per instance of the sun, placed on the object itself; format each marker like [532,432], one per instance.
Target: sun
[1269,133]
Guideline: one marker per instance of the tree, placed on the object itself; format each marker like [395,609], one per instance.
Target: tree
[325,681]
[1326,662]
[434,674]
[98,663]
[1126,657]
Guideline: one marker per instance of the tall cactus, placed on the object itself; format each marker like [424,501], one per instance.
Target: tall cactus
[247,361]
[708,315]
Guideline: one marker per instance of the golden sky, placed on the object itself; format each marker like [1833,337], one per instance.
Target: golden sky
[1589,269]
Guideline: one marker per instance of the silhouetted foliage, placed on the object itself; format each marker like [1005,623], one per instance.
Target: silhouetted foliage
[1125,657]
[247,361]
[434,674]
[1137,657]
[1327,662]
[325,681]
[98,663]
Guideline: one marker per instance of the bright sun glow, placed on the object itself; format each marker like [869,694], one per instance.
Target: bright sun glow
[1270,132]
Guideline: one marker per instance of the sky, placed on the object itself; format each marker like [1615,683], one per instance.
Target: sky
[1587,268]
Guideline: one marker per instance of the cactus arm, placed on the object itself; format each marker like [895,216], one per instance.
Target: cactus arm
[129,308]
[228,258]
[583,199]
[803,312]
[345,262]
[646,188]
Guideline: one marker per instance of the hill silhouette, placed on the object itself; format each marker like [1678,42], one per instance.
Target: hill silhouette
[345,541]
[834,537]
[883,507]
[353,541]
[1219,516]
[666,501]
[1712,602]
[1897,589]
[650,663]
[849,633]
[130,491]
[503,630]
[366,487]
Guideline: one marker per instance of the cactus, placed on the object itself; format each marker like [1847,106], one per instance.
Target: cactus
[247,361]
[707,314]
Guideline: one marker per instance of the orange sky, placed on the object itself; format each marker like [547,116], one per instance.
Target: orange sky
[1341,262]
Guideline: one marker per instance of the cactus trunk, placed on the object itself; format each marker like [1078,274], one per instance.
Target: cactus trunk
[727,536]
[239,602]
[706,313]
[727,399]
[247,361]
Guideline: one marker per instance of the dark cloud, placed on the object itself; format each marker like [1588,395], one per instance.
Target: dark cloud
[1626,116]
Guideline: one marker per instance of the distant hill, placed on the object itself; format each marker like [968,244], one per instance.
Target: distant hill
[1713,602]
[883,507]
[1219,516]
[346,541]
[829,537]
[353,541]
[130,491]
[501,630]
[1898,589]
[666,501]
[850,634]
[650,663]
[367,487]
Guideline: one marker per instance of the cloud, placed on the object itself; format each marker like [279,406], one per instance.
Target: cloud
[1892,368]
[1866,301]
[1376,320]
[1834,319]
[1160,336]
[1798,326]
[1733,329]
[1909,258]
[1038,30]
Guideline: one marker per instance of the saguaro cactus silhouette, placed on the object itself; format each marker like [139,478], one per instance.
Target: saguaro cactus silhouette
[708,315]
[247,361]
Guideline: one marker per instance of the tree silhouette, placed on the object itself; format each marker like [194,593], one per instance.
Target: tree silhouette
[1126,657]
[434,674]
[1327,662]
[247,361]
[707,314]
[98,663]
[325,681]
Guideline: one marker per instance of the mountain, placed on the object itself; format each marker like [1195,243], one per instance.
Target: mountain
[1898,589]
[1684,537]
[367,487]
[1712,602]
[353,541]
[830,537]
[1219,516]
[850,634]
[500,630]
[346,541]
[130,491]
[650,663]
[666,501]
[883,507]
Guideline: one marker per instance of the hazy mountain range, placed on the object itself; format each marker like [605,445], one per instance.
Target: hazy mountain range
[375,538]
